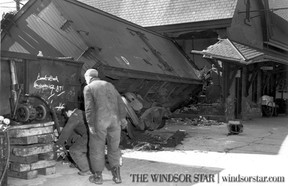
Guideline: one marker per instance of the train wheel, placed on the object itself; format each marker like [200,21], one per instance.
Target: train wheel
[41,112]
[163,123]
[22,113]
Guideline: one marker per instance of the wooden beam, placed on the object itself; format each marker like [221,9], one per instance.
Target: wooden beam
[31,149]
[231,77]
[250,81]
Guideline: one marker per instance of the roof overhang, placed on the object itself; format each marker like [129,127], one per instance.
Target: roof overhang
[184,28]
[276,44]
[231,51]
[273,57]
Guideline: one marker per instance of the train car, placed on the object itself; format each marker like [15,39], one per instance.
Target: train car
[152,73]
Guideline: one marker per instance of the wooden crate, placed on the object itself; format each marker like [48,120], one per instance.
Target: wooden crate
[32,150]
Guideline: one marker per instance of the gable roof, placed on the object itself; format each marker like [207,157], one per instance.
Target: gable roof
[232,51]
[148,13]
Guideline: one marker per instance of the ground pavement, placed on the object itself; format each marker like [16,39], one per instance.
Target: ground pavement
[260,153]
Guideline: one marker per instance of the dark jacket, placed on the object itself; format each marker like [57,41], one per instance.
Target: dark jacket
[75,124]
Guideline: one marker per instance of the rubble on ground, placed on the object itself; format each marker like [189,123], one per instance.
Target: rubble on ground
[149,142]
[199,121]
[190,108]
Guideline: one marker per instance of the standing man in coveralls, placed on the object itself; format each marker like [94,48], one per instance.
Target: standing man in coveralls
[104,111]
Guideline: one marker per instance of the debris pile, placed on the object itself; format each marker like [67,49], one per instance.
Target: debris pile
[188,109]
[149,142]
[216,108]
[175,139]
[199,121]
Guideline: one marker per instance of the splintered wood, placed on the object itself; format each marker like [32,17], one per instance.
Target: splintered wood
[32,150]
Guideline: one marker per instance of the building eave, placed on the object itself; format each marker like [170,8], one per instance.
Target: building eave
[193,26]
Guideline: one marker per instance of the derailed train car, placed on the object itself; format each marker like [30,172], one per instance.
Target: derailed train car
[154,76]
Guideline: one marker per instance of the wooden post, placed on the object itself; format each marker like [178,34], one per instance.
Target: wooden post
[244,91]
[225,76]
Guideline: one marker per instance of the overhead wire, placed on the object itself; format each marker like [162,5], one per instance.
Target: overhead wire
[7,2]
[7,6]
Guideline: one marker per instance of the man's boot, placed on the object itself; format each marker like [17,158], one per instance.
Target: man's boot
[116,174]
[96,178]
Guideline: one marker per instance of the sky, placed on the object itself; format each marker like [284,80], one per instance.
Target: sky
[9,5]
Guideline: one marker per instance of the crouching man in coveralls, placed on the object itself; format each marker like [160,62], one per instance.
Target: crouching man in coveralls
[76,130]
[104,111]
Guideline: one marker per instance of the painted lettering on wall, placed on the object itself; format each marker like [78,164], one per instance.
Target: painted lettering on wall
[60,106]
[50,88]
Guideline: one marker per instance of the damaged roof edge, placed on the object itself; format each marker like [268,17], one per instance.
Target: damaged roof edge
[241,53]
[50,37]
[17,55]
[209,56]
[17,16]
[88,7]
[91,8]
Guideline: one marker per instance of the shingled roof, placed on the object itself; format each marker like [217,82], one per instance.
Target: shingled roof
[148,13]
[232,51]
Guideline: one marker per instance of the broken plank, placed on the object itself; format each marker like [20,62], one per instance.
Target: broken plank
[31,149]
[47,171]
[16,133]
[26,159]
[23,175]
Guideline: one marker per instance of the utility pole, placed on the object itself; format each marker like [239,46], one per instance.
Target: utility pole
[17,4]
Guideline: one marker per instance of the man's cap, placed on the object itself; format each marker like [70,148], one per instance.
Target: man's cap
[91,72]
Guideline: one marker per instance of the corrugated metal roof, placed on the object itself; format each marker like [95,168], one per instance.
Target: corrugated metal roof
[72,29]
[149,13]
[231,50]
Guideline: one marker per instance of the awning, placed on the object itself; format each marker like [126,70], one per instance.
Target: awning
[232,51]
[226,49]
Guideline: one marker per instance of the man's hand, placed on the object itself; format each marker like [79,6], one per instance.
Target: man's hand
[60,150]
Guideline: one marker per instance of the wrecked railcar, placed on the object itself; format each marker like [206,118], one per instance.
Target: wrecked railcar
[35,88]
[149,70]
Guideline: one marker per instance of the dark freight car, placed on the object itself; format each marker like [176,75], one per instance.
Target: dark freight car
[148,69]
[52,83]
